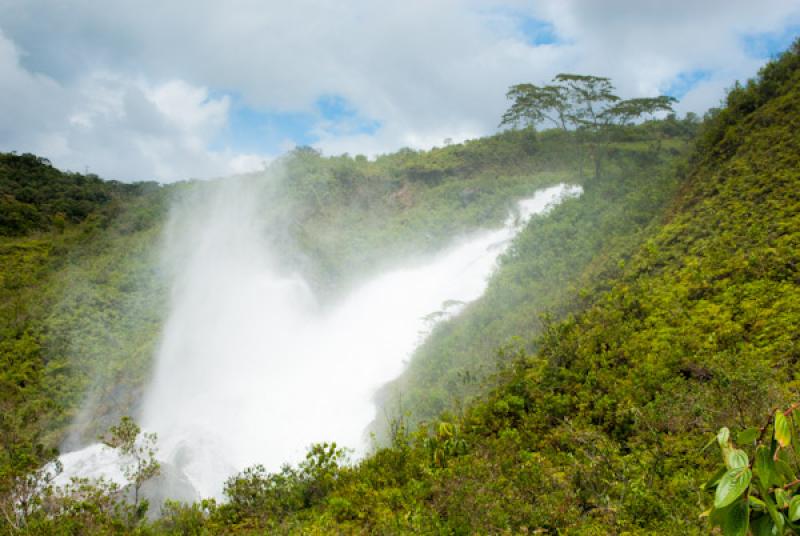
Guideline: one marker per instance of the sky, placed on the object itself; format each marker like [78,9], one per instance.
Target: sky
[169,90]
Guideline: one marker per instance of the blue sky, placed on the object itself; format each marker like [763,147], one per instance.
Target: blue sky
[154,90]
[685,81]
[537,32]
[270,132]
[770,44]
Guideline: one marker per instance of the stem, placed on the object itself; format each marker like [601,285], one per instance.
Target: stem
[790,484]
[766,425]
[793,407]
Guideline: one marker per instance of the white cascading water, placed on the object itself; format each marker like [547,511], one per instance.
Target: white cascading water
[252,370]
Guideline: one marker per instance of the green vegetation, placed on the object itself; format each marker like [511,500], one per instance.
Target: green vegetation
[34,196]
[672,289]
[583,104]
[758,495]
[35,506]
[344,218]
[56,226]
[140,449]
[601,431]
[555,261]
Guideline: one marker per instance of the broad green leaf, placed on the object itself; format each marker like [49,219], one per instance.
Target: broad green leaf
[763,526]
[794,508]
[765,466]
[714,480]
[785,473]
[777,518]
[737,458]
[737,520]
[781,523]
[747,436]
[718,516]
[783,434]
[782,454]
[731,486]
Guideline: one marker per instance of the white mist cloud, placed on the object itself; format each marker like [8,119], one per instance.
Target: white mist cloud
[251,369]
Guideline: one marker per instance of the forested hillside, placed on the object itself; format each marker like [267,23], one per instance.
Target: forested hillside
[635,321]
[84,286]
[602,429]
[552,267]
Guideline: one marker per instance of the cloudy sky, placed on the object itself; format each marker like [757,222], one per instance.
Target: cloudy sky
[167,90]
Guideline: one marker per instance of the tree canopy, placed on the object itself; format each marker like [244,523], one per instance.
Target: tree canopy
[576,101]
[583,103]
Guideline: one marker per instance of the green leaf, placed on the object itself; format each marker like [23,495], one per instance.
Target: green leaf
[737,458]
[731,486]
[785,473]
[714,480]
[763,526]
[717,516]
[765,466]
[777,518]
[724,440]
[732,519]
[794,508]
[737,520]
[756,503]
[783,434]
[747,436]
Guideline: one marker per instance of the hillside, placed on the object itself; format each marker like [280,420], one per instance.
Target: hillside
[555,261]
[669,292]
[602,429]
[84,286]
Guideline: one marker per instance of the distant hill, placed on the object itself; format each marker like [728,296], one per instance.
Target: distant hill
[35,196]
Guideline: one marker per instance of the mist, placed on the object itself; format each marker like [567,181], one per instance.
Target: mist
[253,368]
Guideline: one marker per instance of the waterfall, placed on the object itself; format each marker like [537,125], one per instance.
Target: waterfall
[252,369]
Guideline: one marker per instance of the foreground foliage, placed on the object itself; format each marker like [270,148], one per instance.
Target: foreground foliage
[758,493]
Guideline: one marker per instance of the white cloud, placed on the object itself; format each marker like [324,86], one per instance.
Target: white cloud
[115,126]
[189,108]
[129,83]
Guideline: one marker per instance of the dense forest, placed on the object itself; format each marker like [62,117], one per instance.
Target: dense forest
[584,393]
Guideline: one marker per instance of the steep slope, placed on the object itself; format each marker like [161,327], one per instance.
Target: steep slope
[555,259]
[72,248]
[601,431]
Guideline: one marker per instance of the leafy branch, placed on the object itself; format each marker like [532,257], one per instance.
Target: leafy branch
[757,495]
